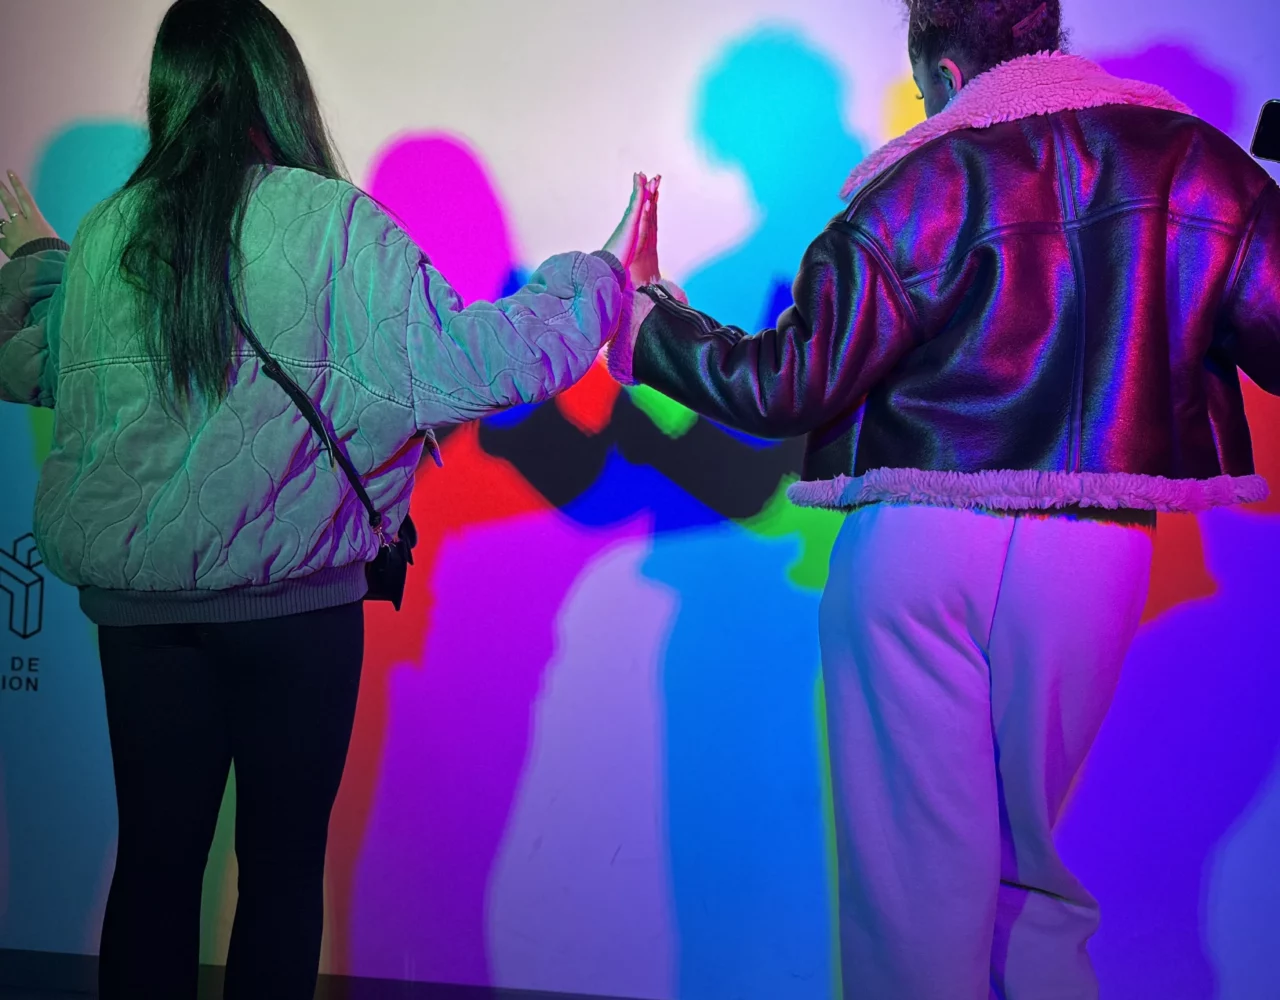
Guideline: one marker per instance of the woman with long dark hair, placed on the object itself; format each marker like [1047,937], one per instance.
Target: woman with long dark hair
[242,348]
[1020,341]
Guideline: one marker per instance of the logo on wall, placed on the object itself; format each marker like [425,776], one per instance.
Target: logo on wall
[21,581]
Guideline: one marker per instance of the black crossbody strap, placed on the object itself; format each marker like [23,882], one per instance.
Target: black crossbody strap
[308,409]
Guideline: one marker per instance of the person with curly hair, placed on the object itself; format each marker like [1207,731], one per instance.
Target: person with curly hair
[1021,340]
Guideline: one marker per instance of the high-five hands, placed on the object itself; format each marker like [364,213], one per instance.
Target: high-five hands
[635,241]
[644,266]
[22,221]
[622,244]
[635,244]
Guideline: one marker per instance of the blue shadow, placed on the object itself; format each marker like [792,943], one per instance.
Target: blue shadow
[744,769]
[1173,827]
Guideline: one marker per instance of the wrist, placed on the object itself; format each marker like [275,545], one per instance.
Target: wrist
[615,265]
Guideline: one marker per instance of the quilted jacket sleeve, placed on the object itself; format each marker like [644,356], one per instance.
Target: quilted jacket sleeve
[30,308]
[1250,331]
[467,362]
[849,326]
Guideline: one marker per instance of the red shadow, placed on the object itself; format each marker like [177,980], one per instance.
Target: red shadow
[1179,573]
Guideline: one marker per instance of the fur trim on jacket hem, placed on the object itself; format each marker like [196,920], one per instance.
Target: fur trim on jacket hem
[1029,490]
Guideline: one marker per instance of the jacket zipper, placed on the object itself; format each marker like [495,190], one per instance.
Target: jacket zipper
[669,302]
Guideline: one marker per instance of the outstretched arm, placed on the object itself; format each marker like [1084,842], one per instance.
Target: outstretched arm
[30,306]
[468,361]
[849,326]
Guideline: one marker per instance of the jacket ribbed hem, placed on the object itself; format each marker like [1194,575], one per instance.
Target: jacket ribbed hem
[1029,490]
[615,265]
[40,246]
[329,588]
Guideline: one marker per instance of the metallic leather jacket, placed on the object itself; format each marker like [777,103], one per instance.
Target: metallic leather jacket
[1050,311]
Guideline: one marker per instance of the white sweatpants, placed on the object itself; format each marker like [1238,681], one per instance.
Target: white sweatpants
[969,660]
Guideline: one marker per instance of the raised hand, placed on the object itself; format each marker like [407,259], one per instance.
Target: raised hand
[644,266]
[22,220]
[622,244]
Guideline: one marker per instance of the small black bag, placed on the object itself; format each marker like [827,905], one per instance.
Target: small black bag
[389,569]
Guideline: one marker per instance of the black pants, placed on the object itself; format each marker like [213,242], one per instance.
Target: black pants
[278,697]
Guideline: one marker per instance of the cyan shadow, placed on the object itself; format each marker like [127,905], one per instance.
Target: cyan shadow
[771,108]
[744,766]
[82,166]
[746,830]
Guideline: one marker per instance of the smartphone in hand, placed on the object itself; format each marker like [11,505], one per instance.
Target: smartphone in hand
[1266,140]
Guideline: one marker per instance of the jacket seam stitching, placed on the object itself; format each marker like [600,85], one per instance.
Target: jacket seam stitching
[878,257]
[1069,226]
[1242,251]
[310,365]
[1067,189]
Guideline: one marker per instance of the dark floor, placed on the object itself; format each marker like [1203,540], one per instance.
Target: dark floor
[21,972]
[333,989]
[28,995]
[363,991]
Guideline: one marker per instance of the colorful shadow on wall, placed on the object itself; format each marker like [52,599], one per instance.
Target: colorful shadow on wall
[589,754]
[58,805]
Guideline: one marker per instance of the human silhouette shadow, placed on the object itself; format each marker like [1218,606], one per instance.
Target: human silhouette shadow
[770,108]
[437,187]
[83,165]
[743,769]
[747,832]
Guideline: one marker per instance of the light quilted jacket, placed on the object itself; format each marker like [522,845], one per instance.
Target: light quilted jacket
[232,511]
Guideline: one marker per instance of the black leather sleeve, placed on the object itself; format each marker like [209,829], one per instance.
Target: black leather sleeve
[849,326]
[1251,327]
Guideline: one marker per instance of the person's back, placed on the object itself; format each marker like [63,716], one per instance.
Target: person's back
[246,357]
[1072,278]
[235,499]
[1017,345]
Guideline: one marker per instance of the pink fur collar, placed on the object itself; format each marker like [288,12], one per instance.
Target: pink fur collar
[1041,84]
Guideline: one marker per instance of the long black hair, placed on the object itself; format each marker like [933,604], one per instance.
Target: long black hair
[981,34]
[228,91]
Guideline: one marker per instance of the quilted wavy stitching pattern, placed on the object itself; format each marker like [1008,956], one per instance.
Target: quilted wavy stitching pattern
[140,496]
[24,346]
